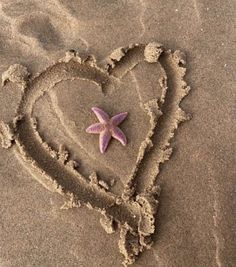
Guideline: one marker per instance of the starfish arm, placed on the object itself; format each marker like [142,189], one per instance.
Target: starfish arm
[95,128]
[119,135]
[117,119]
[100,114]
[104,140]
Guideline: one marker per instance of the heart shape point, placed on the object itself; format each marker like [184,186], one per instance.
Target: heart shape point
[146,81]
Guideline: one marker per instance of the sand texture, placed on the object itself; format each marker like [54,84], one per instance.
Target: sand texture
[165,199]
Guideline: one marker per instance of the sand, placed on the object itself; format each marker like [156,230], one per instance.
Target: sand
[165,199]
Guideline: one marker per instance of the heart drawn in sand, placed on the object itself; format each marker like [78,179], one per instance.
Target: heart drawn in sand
[49,133]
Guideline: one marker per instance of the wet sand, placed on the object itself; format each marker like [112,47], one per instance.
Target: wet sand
[167,198]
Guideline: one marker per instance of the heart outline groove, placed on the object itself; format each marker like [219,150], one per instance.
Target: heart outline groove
[134,211]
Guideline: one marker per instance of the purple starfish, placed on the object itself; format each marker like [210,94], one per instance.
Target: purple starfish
[107,128]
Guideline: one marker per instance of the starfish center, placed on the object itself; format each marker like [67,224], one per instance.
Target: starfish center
[109,126]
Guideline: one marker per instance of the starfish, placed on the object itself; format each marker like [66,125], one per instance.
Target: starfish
[107,127]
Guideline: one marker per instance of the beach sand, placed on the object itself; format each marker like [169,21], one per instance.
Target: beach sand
[167,198]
